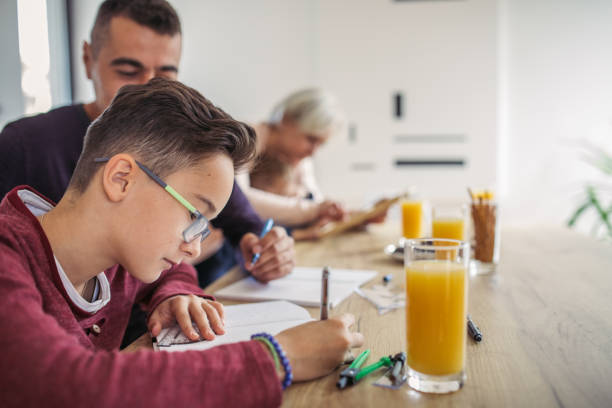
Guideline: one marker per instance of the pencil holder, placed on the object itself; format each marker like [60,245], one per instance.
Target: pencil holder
[485,236]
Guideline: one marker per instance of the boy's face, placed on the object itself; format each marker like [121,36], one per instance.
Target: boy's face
[153,224]
[296,145]
[131,54]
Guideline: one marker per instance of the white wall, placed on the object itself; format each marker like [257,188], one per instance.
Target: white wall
[82,18]
[11,96]
[558,81]
[442,56]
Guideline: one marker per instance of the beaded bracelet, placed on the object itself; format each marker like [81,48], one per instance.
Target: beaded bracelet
[270,347]
[277,353]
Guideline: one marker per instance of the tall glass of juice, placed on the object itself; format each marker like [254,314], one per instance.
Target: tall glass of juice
[412,219]
[436,313]
[449,222]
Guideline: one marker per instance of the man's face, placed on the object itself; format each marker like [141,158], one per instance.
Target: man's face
[151,229]
[131,54]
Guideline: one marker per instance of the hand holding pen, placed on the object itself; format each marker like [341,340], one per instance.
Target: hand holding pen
[269,256]
[267,227]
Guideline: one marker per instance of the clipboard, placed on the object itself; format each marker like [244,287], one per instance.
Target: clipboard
[358,218]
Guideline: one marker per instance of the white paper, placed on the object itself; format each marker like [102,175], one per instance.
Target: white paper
[241,321]
[301,286]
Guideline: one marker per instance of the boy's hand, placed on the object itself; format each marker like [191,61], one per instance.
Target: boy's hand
[277,254]
[207,314]
[316,348]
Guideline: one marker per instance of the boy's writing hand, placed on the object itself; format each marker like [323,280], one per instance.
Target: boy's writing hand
[277,254]
[316,348]
[207,314]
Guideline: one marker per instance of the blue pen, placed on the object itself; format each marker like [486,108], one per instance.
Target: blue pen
[267,227]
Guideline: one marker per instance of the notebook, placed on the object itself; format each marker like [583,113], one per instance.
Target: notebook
[241,321]
[301,286]
[359,218]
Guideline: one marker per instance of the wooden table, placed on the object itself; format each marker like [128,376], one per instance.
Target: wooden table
[545,314]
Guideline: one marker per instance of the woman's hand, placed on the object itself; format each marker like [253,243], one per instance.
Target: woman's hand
[331,210]
[312,232]
[184,309]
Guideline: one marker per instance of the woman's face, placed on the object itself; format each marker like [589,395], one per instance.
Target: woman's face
[295,145]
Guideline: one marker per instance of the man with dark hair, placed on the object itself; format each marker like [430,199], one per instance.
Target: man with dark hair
[156,166]
[132,42]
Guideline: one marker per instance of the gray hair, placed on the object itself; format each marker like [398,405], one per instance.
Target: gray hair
[313,110]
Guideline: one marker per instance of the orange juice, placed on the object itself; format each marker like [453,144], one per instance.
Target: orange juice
[436,304]
[449,228]
[412,219]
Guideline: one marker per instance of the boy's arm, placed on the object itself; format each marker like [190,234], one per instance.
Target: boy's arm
[176,298]
[45,364]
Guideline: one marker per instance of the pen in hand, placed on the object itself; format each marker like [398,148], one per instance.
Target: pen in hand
[267,227]
[325,293]
[473,330]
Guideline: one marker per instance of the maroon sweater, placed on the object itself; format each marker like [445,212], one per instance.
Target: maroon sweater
[50,357]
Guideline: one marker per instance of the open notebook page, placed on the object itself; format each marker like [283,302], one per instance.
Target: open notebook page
[301,286]
[241,321]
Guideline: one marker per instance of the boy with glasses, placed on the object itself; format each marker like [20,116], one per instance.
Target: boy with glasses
[155,167]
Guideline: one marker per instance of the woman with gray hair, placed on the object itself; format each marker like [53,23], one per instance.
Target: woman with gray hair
[282,185]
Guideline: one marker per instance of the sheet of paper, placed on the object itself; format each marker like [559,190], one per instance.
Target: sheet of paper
[241,321]
[384,297]
[301,286]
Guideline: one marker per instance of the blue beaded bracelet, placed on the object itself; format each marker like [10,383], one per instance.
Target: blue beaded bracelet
[281,355]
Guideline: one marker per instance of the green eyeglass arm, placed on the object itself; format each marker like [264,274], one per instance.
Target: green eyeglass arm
[181,199]
[159,181]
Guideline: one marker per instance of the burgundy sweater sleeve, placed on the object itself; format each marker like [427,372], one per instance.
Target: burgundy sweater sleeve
[42,364]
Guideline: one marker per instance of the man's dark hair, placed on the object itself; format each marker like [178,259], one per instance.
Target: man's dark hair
[167,126]
[158,15]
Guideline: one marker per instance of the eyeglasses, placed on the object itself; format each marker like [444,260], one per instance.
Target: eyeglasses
[199,226]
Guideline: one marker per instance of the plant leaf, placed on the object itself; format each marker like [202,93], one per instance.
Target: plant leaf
[602,214]
[577,213]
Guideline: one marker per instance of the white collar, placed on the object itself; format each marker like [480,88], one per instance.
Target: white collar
[38,206]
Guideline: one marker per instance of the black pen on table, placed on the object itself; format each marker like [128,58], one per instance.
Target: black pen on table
[325,293]
[473,330]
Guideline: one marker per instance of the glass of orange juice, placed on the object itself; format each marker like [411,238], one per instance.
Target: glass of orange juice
[436,313]
[449,221]
[412,218]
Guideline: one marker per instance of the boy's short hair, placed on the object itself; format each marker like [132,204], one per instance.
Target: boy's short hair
[157,15]
[166,125]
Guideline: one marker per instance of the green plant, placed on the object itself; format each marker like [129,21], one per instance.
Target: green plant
[603,161]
